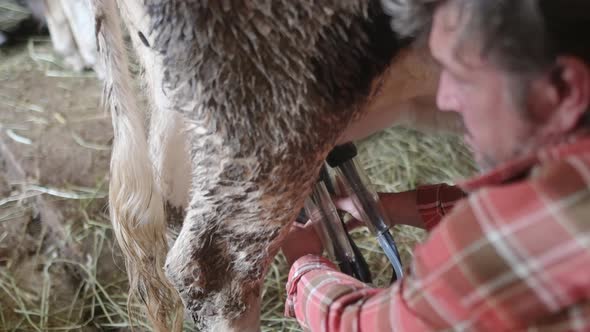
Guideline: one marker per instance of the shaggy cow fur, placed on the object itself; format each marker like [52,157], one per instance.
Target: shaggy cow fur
[247,98]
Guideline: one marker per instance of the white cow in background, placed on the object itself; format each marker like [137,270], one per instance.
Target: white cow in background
[70,23]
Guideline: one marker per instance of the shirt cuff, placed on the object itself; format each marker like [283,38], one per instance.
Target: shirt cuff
[302,266]
[435,201]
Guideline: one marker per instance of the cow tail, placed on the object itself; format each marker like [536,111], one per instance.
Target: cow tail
[135,200]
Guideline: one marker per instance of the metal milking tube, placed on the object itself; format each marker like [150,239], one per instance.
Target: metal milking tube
[366,200]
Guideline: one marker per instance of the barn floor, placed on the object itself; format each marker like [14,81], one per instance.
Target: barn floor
[59,266]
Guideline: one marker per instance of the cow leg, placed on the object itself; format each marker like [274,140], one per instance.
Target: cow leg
[61,35]
[265,105]
[235,216]
[168,141]
[168,136]
[219,260]
[81,26]
[136,202]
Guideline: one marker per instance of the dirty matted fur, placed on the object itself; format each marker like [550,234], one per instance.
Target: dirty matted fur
[263,89]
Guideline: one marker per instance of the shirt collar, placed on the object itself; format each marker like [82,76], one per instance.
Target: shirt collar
[520,167]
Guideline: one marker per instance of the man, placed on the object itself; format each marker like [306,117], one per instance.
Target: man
[514,254]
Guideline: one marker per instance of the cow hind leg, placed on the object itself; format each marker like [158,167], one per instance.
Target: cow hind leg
[62,38]
[260,125]
[135,197]
[229,235]
[168,133]
[168,142]
[81,24]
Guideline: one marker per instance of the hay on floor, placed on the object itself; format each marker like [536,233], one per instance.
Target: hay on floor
[12,14]
[42,290]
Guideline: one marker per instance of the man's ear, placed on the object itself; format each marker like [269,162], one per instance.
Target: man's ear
[571,84]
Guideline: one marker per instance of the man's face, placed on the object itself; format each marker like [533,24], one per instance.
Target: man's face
[496,123]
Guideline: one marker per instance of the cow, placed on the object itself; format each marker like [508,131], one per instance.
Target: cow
[247,97]
[71,28]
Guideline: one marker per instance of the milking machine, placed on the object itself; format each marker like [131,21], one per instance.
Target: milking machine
[343,175]
[331,229]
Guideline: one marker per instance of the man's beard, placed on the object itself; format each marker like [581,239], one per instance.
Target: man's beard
[487,163]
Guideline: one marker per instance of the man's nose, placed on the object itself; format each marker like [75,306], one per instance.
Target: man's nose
[446,97]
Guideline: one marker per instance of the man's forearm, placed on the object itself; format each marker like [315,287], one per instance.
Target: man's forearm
[435,201]
[423,207]
[323,299]
[402,208]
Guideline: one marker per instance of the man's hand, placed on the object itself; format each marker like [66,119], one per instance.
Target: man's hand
[401,208]
[301,240]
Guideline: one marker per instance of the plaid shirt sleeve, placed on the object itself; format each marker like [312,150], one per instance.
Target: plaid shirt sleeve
[508,258]
[436,201]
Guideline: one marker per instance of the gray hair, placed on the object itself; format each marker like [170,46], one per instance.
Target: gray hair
[523,36]
[410,17]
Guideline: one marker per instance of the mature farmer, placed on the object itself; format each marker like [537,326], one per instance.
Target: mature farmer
[510,249]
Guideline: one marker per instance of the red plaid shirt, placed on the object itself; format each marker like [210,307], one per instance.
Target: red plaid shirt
[513,255]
